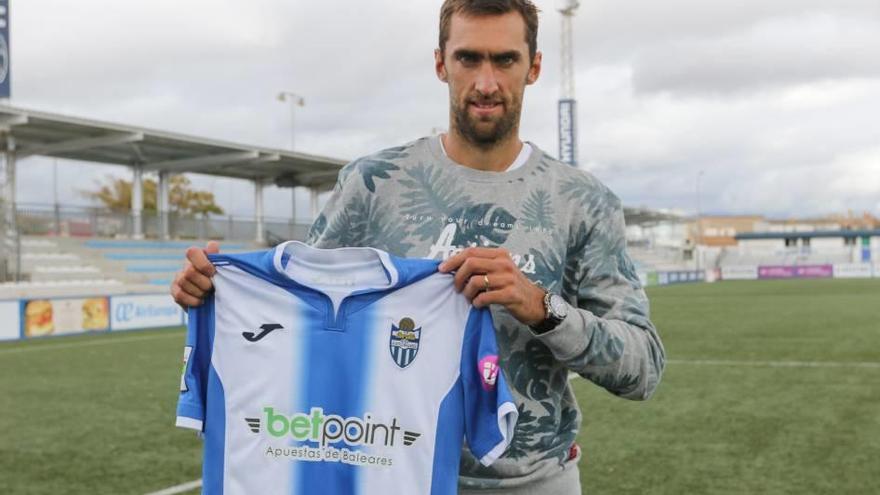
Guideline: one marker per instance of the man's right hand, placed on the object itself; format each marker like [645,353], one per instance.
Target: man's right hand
[193,281]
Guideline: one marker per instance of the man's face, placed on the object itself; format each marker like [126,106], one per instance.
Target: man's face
[486,64]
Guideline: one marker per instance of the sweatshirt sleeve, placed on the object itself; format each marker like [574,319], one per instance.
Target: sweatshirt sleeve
[608,338]
[325,231]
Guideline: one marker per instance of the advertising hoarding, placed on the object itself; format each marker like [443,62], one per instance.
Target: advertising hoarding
[10,320]
[568,131]
[739,273]
[44,317]
[144,311]
[798,271]
[852,270]
[5,52]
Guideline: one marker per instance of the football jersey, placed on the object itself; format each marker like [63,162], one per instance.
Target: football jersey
[340,371]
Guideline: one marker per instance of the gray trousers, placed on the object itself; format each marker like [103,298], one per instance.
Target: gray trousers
[566,482]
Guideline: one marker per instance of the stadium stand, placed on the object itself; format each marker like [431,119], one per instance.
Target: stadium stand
[738,257]
[659,259]
[66,266]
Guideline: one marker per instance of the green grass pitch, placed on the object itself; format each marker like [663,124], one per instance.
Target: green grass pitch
[744,406]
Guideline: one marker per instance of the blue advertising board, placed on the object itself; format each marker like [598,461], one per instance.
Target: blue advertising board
[5,72]
[133,312]
[568,132]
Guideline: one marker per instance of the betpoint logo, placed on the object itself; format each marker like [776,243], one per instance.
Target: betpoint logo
[488,368]
[329,429]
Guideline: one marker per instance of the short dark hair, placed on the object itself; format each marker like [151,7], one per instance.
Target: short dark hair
[526,9]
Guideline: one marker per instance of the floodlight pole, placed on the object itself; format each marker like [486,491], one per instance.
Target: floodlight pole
[295,100]
[567,103]
[258,211]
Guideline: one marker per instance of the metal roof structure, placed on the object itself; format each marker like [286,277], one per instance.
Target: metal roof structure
[643,216]
[37,133]
[808,235]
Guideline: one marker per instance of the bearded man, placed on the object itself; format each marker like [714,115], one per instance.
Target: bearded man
[538,241]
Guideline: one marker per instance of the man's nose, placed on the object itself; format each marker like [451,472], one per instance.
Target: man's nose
[486,83]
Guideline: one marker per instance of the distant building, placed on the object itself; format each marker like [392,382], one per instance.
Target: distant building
[841,245]
[724,240]
[721,231]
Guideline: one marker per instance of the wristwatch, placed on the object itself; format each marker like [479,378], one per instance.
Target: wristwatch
[556,310]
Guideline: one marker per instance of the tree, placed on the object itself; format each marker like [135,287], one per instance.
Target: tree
[115,194]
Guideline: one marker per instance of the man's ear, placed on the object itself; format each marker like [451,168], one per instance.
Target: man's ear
[439,65]
[535,69]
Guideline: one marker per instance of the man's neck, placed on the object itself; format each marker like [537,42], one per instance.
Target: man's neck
[495,159]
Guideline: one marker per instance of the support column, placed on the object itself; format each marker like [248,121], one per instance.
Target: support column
[137,202]
[314,203]
[162,205]
[258,211]
[9,184]
[56,207]
[293,205]
[10,234]
[291,231]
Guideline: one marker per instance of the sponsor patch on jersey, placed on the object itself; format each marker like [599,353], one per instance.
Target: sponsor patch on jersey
[488,368]
[186,352]
[404,343]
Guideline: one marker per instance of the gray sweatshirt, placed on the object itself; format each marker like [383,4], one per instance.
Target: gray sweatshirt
[564,230]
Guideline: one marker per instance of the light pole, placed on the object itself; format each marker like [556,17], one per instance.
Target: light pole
[295,101]
[567,103]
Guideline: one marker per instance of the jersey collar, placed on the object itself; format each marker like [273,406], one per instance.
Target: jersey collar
[284,251]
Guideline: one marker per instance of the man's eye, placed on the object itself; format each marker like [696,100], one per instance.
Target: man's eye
[467,59]
[505,61]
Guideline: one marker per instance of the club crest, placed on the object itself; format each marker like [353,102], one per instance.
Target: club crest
[404,343]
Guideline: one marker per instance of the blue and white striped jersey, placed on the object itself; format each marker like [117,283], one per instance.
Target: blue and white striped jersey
[340,371]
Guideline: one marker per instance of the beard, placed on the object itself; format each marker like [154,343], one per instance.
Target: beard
[485,133]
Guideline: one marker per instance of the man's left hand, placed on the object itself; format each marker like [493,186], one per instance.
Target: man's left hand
[507,285]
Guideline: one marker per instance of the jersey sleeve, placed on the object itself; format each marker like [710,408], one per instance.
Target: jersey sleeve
[490,413]
[196,364]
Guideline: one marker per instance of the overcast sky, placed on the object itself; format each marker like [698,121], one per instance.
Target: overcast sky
[775,101]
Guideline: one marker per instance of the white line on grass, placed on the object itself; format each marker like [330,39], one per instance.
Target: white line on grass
[777,364]
[181,488]
[19,350]
[767,364]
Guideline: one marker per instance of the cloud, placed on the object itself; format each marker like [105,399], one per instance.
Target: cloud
[611,31]
[773,100]
[774,53]
[775,152]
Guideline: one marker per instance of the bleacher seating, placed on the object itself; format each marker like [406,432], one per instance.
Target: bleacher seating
[62,266]
[739,257]
[73,266]
[647,260]
[61,288]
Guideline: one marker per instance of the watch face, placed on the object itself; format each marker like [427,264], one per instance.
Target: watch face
[558,306]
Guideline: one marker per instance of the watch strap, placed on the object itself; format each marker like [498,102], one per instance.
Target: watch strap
[551,321]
